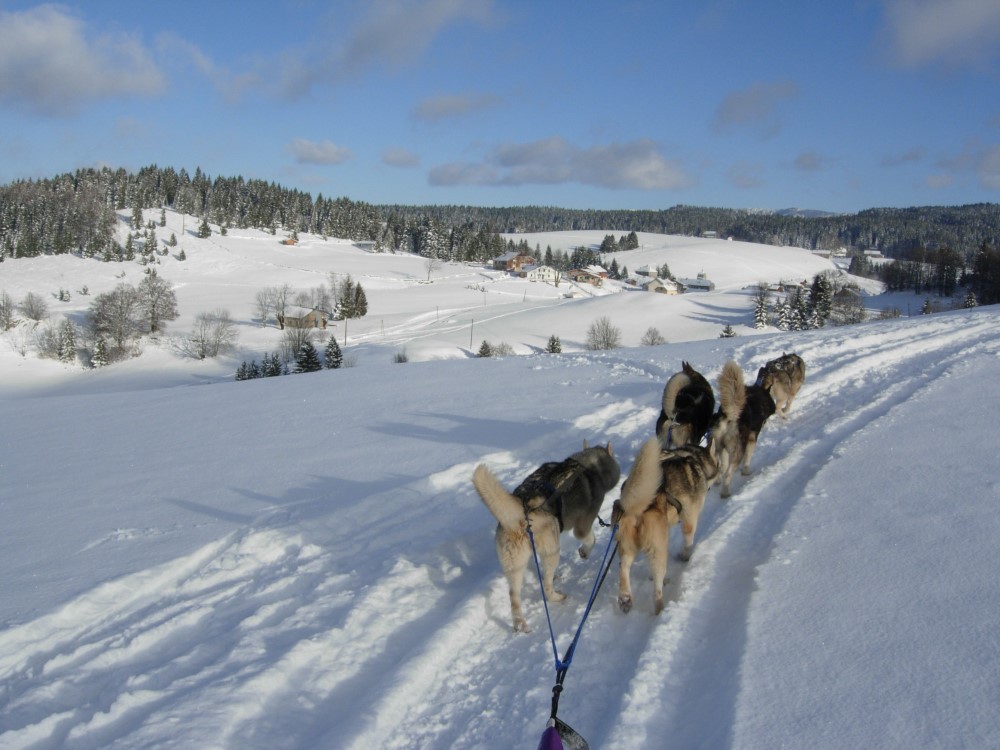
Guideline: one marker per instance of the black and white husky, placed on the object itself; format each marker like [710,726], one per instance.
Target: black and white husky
[743,410]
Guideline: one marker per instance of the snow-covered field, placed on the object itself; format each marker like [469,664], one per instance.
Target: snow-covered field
[301,562]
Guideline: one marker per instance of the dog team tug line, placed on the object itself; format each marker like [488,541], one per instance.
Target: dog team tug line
[667,485]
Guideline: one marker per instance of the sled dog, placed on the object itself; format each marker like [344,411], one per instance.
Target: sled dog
[557,495]
[688,403]
[663,487]
[743,410]
[782,377]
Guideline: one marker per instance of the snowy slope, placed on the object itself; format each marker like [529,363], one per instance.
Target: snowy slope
[301,562]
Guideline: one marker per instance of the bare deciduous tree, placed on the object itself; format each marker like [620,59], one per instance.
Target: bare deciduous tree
[264,302]
[602,334]
[431,264]
[282,294]
[214,333]
[292,341]
[7,319]
[158,301]
[118,317]
[34,307]
[652,337]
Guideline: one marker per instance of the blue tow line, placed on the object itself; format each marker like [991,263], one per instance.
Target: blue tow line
[562,665]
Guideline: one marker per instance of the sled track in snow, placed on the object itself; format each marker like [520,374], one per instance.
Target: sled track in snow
[263,620]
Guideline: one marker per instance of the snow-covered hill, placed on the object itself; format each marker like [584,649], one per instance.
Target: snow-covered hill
[442,314]
[301,562]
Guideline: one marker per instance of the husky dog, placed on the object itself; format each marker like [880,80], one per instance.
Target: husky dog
[664,487]
[743,410]
[688,403]
[555,496]
[782,378]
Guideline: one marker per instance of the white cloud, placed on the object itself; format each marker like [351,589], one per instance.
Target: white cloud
[395,32]
[633,165]
[400,157]
[437,108]
[392,34]
[809,161]
[745,175]
[325,152]
[51,63]
[948,31]
[755,107]
[989,168]
[907,157]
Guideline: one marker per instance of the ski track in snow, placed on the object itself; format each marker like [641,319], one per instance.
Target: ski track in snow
[267,636]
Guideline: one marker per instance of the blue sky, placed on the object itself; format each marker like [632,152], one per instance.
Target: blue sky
[841,105]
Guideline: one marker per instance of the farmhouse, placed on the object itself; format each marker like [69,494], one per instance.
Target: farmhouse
[661,286]
[513,261]
[540,273]
[584,276]
[303,317]
[699,284]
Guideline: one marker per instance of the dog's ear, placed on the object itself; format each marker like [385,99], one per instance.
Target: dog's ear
[610,452]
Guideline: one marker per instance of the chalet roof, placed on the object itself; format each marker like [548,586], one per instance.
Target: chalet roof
[295,311]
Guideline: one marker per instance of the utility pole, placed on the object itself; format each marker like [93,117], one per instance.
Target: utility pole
[473,325]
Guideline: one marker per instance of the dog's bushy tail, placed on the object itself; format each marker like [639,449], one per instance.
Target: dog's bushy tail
[505,507]
[732,391]
[677,381]
[643,480]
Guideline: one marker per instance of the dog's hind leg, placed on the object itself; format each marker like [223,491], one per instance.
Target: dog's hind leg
[514,580]
[547,542]
[514,558]
[748,454]
[688,529]
[624,578]
[658,565]
[727,475]
[586,536]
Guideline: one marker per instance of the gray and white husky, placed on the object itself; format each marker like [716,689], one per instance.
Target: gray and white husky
[558,495]
[782,378]
[663,488]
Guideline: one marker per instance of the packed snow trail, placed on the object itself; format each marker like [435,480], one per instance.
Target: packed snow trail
[345,613]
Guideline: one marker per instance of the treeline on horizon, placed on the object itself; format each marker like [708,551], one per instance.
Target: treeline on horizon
[78,213]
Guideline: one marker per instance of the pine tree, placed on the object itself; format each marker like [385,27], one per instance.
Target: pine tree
[783,316]
[333,357]
[67,343]
[307,360]
[100,358]
[173,240]
[360,302]
[970,300]
[554,346]
[241,371]
[204,230]
[760,308]
[253,371]
[727,332]
[485,350]
[271,366]
[820,301]
[926,309]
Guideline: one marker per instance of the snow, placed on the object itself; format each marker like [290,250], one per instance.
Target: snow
[301,562]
